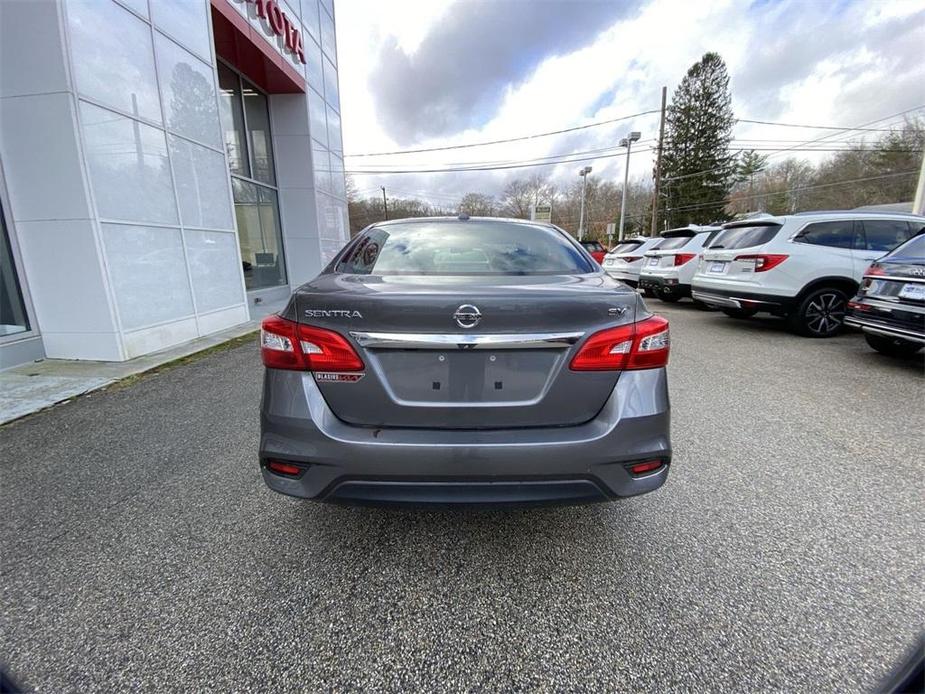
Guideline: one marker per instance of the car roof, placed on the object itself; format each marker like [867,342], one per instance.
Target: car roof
[824,215]
[462,218]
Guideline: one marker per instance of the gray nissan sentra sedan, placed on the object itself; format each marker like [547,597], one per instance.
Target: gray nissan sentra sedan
[457,360]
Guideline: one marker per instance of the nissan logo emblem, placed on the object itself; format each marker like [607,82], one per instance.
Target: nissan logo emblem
[467,316]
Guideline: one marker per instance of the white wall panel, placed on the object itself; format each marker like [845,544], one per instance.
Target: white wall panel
[112,56]
[201,178]
[188,93]
[147,269]
[214,269]
[187,21]
[128,165]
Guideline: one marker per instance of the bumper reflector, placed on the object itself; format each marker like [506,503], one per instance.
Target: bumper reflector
[643,468]
[281,468]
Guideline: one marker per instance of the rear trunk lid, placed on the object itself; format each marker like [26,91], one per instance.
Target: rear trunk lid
[425,370]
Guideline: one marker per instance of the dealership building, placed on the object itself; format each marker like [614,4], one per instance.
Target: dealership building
[168,169]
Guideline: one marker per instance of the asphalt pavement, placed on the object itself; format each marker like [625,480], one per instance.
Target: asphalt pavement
[141,550]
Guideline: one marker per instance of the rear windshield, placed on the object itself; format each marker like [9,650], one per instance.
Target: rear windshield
[674,242]
[746,237]
[462,248]
[914,248]
[626,247]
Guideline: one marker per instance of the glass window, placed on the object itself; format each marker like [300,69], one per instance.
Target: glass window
[674,242]
[838,234]
[232,114]
[13,318]
[338,182]
[148,273]
[257,212]
[457,248]
[202,185]
[115,66]
[213,264]
[330,85]
[185,20]
[139,6]
[257,117]
[328,39]
[319,124]
[626,247]
[313,65]
[321,166]
[915,248]
[128,165]
[188,93]
[746,237]
[310,18]
[885,234]
[334,143]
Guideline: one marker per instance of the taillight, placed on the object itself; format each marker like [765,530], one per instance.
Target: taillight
[632,258]
[874,270]
[764,261]
[285,344]
[642,345]
[681,258]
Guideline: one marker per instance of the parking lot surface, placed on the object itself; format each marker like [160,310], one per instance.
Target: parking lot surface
[141,550]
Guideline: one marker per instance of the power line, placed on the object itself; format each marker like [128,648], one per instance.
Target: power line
[509,139]
[487,168]
[726,201]
[813,127]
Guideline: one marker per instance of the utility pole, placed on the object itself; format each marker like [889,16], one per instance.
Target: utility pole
[385,203]
[581,216]
[918,207]
[628,143]
[658,164]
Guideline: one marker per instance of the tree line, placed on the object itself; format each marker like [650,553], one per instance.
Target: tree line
[704,179]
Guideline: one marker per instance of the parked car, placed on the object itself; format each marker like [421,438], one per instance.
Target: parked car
[596,249]
[890,305]
[625,259]
[406,372]
[668,268]
[803,267]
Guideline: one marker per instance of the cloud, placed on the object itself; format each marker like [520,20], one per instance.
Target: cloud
[450,78]
[457,77]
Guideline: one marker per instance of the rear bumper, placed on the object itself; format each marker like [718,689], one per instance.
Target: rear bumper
[576,464]
[626,276]
[732,298]
[906,331]
[664,284]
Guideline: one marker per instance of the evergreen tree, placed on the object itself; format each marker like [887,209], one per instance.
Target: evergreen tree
[697,167]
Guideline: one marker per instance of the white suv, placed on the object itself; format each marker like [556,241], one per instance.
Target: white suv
[667,270]
[625,259]
[803,267]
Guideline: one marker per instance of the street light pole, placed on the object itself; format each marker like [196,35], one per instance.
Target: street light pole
[628,143]
[581,216]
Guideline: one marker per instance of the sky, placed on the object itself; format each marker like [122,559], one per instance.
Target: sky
[433,73]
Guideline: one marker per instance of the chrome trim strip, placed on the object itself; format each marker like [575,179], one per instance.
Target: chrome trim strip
[881,330]
[465,340]
[896,305]
[894,278]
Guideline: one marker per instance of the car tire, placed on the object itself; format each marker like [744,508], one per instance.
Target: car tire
[892,346]
[669,297]
[821,313]
[740,312]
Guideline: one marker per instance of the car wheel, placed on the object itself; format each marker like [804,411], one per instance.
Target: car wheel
[821,313]
[892,346]
[668,296]
[740,312]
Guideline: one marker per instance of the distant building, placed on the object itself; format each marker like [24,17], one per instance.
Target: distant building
[167,168]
